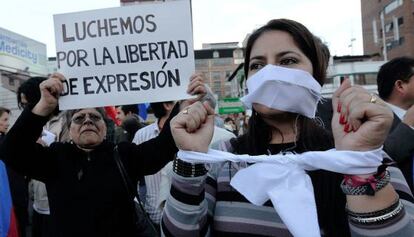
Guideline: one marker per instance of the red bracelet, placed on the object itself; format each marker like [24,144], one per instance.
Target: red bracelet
[356,181]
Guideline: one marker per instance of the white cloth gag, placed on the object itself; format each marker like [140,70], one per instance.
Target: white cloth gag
[283,180]
[285,89]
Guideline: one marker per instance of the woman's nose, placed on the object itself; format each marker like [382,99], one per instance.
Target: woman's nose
[88,120]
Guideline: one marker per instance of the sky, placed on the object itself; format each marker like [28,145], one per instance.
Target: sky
[336,22]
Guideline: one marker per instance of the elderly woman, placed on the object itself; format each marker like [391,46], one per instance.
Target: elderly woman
[87,195]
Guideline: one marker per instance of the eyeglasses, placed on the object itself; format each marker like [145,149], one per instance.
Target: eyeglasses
[81,118]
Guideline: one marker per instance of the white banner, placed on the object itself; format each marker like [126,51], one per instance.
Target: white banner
[125,55]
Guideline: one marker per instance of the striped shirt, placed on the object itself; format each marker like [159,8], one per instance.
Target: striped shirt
[219,134]
[209,206]
[152,182]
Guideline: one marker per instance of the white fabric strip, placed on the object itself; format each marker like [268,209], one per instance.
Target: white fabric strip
[283,180]
[284,89]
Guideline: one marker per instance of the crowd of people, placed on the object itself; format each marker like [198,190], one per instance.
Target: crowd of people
[84,169]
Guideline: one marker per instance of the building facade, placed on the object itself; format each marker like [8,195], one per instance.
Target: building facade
[217,62]
[387,28]
[20,58]
[361,70]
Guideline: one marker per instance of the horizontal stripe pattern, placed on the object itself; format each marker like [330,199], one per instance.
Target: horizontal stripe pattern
[225,212]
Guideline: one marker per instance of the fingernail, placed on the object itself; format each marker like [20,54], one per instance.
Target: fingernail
[339,107]
[346,128]
[342,119]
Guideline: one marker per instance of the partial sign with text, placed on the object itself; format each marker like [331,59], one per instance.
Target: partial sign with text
[125,55]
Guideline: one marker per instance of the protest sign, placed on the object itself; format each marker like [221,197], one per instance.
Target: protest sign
[125,55]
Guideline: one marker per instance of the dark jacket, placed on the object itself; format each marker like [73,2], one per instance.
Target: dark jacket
[19,193]
[86,194]
[128,128]
[325,112]
[399,145]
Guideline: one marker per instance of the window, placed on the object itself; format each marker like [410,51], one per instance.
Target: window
[389,27]
[389,45]
[392,6]
[238,53]
[201,63]
[401,41]
[374,28]
[365,79]
[228,73]
[395,43]
[400,21]
[216,75]
[216,54]
[222,61]
[11,81]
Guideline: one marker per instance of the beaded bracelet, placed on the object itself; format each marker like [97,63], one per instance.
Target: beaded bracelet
[384,211]
[377,217]
[353,185]
[186,169]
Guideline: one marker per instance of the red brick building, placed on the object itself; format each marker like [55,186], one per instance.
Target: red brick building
[388,24]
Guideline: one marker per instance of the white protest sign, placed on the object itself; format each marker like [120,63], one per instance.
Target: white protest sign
[125,55]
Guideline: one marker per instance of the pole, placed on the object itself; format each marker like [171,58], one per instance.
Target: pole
[384,45]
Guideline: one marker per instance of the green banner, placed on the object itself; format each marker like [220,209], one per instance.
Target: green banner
[230,106]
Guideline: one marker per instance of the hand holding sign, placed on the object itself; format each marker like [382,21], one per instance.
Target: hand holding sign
[195,88]
[50,90]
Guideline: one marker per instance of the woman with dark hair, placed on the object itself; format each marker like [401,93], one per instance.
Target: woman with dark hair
[27,93]
[286,67]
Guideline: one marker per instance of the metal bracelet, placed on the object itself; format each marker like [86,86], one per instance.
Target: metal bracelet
[384,211]
[378,219]
[186,169]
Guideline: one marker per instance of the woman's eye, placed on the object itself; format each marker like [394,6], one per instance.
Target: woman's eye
[95,117]
[255,66]
[288,61]
[79,118]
